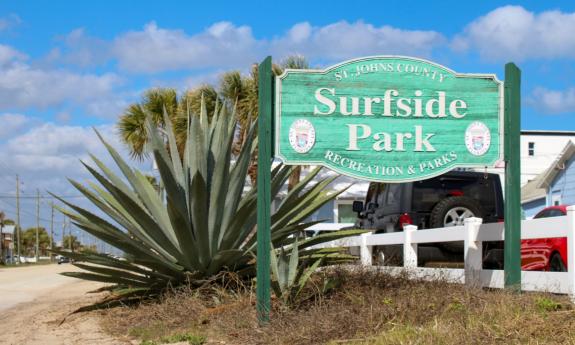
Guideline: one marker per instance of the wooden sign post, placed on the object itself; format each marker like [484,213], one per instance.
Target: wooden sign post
[265,105]
[512,249]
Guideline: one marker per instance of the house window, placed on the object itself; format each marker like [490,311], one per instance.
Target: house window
[324,213]
[344,211]
[531,149]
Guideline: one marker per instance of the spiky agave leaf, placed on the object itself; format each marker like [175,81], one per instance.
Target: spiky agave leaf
[206,222]
[291,268]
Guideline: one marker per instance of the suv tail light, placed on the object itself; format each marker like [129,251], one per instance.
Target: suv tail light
[404,219]
[455,192]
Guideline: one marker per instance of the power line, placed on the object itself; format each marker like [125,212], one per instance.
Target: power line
[41,197]
[28,213]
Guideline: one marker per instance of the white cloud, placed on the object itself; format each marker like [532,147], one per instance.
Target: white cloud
[80,49]
[52,140]
[344,40]
[55,149]
[63,116]
[11,124]
[9,55]
[225,45]
[110,106]
[514,33]
[155,49]
[23,86]
[553,101]
[46,154]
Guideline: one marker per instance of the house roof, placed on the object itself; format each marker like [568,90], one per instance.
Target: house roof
[546,132]
[531,190]
[557,165]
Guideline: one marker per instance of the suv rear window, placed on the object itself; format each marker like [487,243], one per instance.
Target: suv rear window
[428,193]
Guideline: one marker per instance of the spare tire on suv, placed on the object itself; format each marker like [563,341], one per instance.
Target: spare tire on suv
[452,211]
[437,202]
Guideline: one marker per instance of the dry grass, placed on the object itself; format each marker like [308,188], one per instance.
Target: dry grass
[366,308]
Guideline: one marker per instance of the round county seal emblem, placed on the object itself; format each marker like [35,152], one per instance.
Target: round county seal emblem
[477,138]
[301,135]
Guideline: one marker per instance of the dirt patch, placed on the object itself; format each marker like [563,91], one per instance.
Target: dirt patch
[38,322]
[366,308]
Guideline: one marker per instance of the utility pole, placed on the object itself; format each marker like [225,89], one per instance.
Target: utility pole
[37,225]
[63,231]
[52,231]
[18,234]
[70,240]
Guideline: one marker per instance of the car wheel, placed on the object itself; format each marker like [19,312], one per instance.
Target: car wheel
[556,264]
[453,211]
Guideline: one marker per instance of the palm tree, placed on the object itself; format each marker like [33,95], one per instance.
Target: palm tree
[237,91]
[243,92]
[132,123]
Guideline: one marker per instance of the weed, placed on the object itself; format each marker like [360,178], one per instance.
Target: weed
[192,339]
[456,306]
[148,342]
[547,304]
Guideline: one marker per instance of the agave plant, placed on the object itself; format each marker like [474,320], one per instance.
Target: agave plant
[292,268]
[206,222]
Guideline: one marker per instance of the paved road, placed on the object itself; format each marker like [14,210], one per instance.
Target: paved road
[24,284]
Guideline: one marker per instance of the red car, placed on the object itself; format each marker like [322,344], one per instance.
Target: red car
[545,254]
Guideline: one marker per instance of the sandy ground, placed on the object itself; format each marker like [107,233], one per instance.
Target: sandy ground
[34,300]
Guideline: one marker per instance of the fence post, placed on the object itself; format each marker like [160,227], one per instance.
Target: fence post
[570,251]
[409,249]
[473,252]
[365,251]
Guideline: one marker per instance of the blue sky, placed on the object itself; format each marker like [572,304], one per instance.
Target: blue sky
[68,65]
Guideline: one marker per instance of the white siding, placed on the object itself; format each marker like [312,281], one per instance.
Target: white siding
[548,145]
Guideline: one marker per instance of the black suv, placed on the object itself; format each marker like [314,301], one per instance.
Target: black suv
[445,200]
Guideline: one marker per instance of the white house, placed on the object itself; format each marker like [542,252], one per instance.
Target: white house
[554,186]
[539,149]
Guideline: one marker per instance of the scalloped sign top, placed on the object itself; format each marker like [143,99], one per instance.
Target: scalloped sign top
[388,119]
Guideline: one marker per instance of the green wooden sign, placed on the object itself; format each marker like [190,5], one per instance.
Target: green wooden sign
[389,119]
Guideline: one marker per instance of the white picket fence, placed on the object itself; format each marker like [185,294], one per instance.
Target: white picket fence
[473,234]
